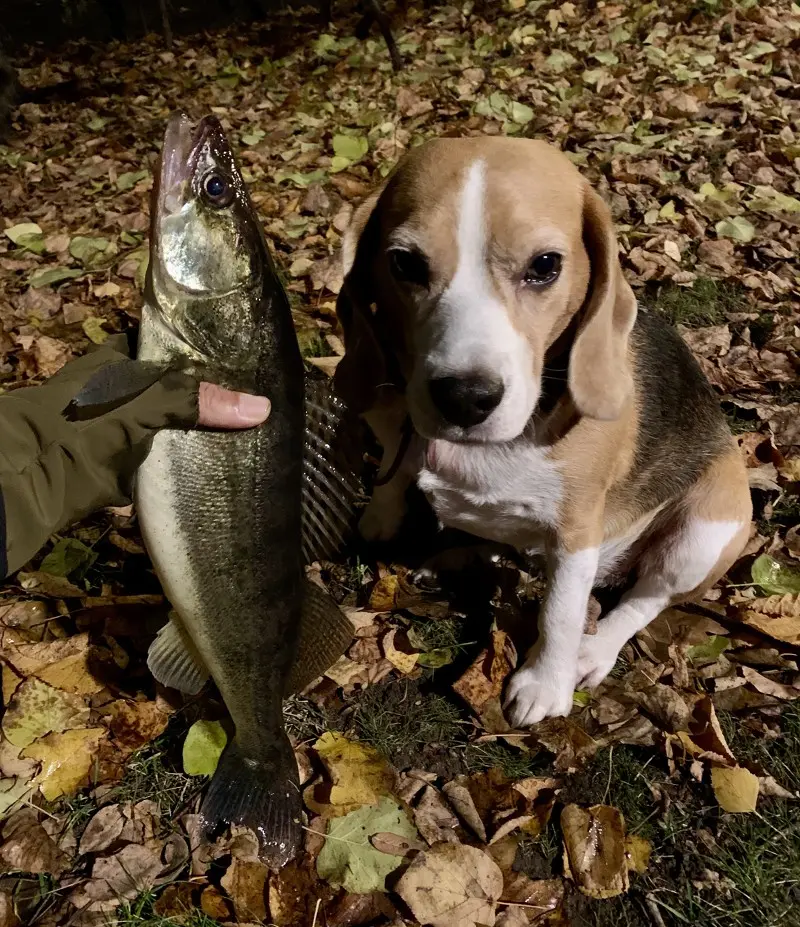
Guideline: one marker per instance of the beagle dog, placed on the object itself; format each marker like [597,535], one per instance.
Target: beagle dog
[494,347]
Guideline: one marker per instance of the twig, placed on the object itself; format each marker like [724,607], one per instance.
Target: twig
[316,912]
[652,906]
[608,784]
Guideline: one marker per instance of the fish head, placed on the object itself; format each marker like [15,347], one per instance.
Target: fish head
[210,267]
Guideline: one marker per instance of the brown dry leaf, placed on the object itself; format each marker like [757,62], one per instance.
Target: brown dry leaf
[528,899]
[458,794]
[67,760]
[786,606]
[666,705]
[595,850]
[28,847]
[124,875]
[769,686]
[484,679]
[452,885]
[782,628]
[103,829]
[37,709]
[8,916]
[63,664]
[215,905]
[434,819]
[55,587]
[570,743]
[735,789]
[292,896]
[395,845]
[246,883]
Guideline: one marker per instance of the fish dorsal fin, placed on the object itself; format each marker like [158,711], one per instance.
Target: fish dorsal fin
[325,634]
[332,487]
[174,660]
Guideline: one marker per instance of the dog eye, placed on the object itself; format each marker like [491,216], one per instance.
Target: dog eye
[543,269]
[408,266]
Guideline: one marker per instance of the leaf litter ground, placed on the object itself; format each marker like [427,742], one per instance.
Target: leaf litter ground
[669,795]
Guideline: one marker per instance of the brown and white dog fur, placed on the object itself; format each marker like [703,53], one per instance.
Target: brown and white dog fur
[546,414]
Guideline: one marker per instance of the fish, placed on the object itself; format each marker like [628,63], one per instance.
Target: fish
[230,518]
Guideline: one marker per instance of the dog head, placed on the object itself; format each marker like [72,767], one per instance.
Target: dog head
[462,273]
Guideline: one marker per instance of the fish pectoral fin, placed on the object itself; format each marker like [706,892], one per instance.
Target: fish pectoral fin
[174,661]
[325,633]
[331,484]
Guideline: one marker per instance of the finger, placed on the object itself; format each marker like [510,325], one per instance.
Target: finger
[223,408]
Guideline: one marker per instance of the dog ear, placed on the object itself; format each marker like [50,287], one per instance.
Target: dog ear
[363,368]
[600,377]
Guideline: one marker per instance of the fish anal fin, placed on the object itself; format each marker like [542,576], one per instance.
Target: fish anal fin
[325,633]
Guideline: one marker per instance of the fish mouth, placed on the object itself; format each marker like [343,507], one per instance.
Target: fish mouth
[183,144]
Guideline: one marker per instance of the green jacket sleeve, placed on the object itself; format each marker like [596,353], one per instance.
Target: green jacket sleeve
[54,470]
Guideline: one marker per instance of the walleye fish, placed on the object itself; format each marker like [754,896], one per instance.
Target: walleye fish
[229,517]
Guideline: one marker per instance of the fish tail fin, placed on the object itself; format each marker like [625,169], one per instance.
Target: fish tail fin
[263,795]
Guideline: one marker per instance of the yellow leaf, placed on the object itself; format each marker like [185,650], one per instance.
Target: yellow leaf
[405,662]
[37,709]
[637,853]
[66,760]
[63,664]
[359,774]
[736,789]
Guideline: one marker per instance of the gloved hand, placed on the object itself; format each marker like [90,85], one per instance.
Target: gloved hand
[60,460]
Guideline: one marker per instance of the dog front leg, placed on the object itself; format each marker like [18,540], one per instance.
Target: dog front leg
[387,508]
[543,686]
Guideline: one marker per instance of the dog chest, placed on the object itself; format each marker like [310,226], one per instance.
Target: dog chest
[507,493]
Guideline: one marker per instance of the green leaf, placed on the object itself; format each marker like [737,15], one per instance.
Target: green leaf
[581,698]
[606,57]
[93,327]
[759,49]
[348,859]
[98,123]
[737,228]
[559,61]
[129,179]
[47,276]
[24,230]
[351,147]
[519,112]
[69,555]
[203,747]
[774,577]
[301,180]
[324,44]
[709,651]
[253,137]
[89,251]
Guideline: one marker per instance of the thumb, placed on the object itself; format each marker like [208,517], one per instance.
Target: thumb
[223,408]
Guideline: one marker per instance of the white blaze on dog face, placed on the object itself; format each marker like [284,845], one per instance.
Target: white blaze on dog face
[477,320]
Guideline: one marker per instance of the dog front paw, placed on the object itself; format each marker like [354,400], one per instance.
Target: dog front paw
[382,518]
[597,657]
[539,690]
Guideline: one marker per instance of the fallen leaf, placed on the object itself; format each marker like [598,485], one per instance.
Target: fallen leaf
[400,659]
[452,885]
[104,828]
[769,686]
[360,775]
[37,709]
[124,875]
[774,577]
[735,789]
[738,228]
[245,881]
[637,853]
[434,819]
[27,847]
[13,791]
[348,859]
[63,664]
[485,678]
[205,741]
[595,850]
[67,760]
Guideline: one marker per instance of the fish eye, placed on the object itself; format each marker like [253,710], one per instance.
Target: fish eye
[408,266]
[543,269]
[217,190]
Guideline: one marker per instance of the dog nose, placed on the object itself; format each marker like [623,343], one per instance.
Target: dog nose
[466,401]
